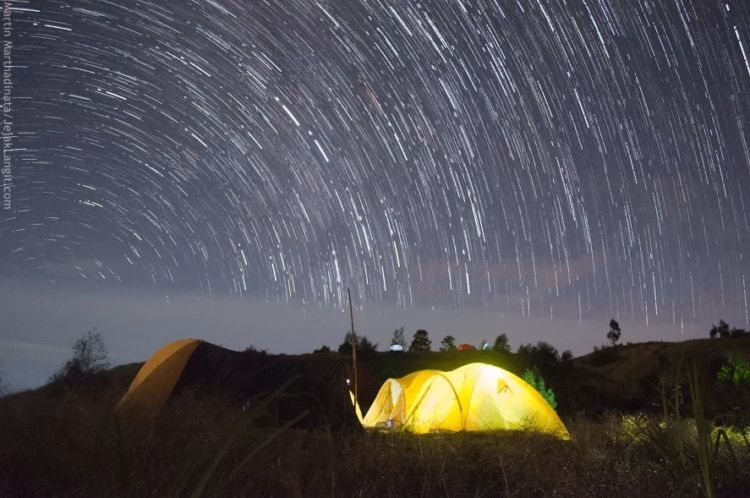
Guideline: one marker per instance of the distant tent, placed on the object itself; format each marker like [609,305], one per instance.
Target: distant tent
[475,397]
[157,378]
[318,383]
[466,347]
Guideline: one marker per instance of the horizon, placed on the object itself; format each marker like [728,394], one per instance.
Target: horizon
[27,358]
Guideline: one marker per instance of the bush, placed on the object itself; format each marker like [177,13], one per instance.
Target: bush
[736,370]
[535,380]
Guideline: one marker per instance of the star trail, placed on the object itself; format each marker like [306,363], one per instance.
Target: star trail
[559,159]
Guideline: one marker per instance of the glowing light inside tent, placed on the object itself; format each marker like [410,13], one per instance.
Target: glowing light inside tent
[475,397]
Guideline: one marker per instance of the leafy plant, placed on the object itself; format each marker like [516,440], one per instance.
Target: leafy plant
[534,379]
[736,371]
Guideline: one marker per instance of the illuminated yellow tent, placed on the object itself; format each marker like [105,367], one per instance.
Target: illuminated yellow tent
[155,381]
[475,397]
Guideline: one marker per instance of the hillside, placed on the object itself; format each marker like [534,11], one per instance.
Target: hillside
[67,439]
[630,377]
[622,378]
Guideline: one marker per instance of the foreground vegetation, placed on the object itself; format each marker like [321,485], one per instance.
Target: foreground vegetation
[645,419]
[68,442]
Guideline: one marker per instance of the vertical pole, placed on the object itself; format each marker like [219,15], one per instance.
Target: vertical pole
[354,344]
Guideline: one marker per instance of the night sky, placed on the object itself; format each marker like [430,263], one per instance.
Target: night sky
[544,162]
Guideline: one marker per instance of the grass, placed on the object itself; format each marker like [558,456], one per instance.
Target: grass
[69,444]
[66,442]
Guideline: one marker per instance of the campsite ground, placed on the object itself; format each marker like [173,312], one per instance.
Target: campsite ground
[66,442]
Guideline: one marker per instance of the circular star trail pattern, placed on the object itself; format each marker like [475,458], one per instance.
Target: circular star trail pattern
[547,158]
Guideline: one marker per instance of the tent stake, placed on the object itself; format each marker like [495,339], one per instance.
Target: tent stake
[354,345]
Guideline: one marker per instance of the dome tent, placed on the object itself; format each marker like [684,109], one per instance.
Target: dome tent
[155,381]
[475,397]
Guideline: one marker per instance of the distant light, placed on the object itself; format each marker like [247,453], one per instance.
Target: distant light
[397,347]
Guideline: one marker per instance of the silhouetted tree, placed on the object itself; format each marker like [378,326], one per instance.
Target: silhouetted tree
[322,349]
[542,353]
[364,346]
[566,355]
[614,332]
[546,353]
[346,346]
[448,343]
[722,330]
[524,349]
[421,341]
[89,357]
[398,338]
[501,344]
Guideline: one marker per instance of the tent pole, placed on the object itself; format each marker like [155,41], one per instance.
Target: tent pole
[354,344]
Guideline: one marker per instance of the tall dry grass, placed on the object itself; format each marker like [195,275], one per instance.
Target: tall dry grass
[69,444]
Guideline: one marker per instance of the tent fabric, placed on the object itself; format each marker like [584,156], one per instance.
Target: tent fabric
[156,380]
[475,397]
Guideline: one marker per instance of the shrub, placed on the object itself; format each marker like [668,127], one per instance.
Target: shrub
[535,380]
[736,370]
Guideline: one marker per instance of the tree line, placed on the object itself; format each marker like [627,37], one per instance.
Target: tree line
[422,343]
